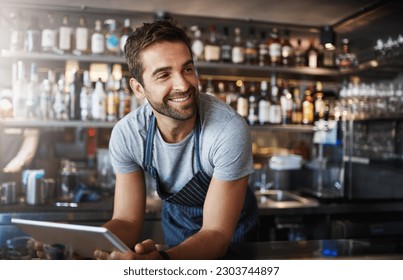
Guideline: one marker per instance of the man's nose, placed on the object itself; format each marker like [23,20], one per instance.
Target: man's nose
[180,83]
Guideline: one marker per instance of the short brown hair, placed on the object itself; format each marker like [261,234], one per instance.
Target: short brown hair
[147,35]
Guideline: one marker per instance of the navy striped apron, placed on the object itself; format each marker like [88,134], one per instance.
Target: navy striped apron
[182,212]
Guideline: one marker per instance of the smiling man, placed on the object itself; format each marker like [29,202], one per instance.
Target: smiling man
[196,148]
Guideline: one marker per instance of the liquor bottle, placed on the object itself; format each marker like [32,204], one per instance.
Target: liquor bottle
[346,58]
[74,93]
[212,50]
[296,114]
[275,106]
[253,101]
[19,88]
[286,103]
[264,57]
[98,39]
[86,97]
[319,103]
[299,54]
[312,54]
[226,46]
[32,101]
[264,104]
[46,97]
[232,96]
[243,103]
[238,51]
[251,50]
[126,31]
[112,37]
[287,50]
[65,36]
[98,106]
[124,98]
[221,94]
[17,39]
[274,44]
[210,90]
[60,104]
[307,108]
[33,36]
[82,37]
[49,35]
[111,100]
[197,44]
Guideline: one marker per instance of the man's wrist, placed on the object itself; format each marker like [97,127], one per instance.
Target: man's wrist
[164,255]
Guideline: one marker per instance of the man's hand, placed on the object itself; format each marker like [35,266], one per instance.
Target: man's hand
[146,250]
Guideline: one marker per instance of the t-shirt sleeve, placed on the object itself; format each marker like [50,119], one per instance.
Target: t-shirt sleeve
[232,152]
[121,150]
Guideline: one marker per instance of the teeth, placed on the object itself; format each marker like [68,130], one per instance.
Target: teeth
[180,99]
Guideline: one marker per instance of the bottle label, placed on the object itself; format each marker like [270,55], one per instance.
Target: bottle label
[48,38]
[81,39]
[275,50]
[242,106]
[312,59]
[65,38]
[112,43]
[211,53]
[97,43]
[275,114]
[264,110]
[238,55]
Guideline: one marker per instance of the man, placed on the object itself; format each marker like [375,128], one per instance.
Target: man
[196,147]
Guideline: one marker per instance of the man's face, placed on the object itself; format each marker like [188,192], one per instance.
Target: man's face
[170,83]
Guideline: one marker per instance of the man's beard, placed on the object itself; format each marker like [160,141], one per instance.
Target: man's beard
[181,114]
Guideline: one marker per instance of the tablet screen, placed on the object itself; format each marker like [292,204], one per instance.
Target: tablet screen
[84,240]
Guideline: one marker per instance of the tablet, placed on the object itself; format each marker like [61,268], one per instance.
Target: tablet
[84,240]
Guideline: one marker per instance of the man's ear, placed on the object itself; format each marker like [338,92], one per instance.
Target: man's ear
[137,88]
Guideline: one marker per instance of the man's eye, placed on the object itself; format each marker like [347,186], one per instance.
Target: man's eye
[189,69]
[163,76]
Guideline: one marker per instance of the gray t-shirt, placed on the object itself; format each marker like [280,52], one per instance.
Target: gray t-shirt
[225,145]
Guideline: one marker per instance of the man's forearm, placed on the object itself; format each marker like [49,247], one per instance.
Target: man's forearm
[204,245]
[128,232]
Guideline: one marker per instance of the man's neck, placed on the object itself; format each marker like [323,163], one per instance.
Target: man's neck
[174,131]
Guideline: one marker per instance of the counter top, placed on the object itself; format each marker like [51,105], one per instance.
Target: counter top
[381,248]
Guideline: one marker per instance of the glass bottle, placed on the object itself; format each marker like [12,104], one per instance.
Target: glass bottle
[221,94]
[238,52]
[112,37]
[85,97]
[312,54]
[98,106]
[74,93]
[124,98]
[286,103]
[49,35]
[296,114]
[60,104]
[82,37]
[232,96]
[251,50]
[212,50]
[253,101]
[319,103]
[243,103]
[275,106]
[126,31]
[264,57]
[111,100]
[274,44]
[307,108]
[299,54]
[98,39]
[33,36]
[65,36]
[19,88]
[197,44]
[47,96]
[226,47]
[17,39]
[264,104]
[287,50]
[33,92]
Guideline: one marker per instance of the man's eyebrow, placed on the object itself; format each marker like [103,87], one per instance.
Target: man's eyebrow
[161,69]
